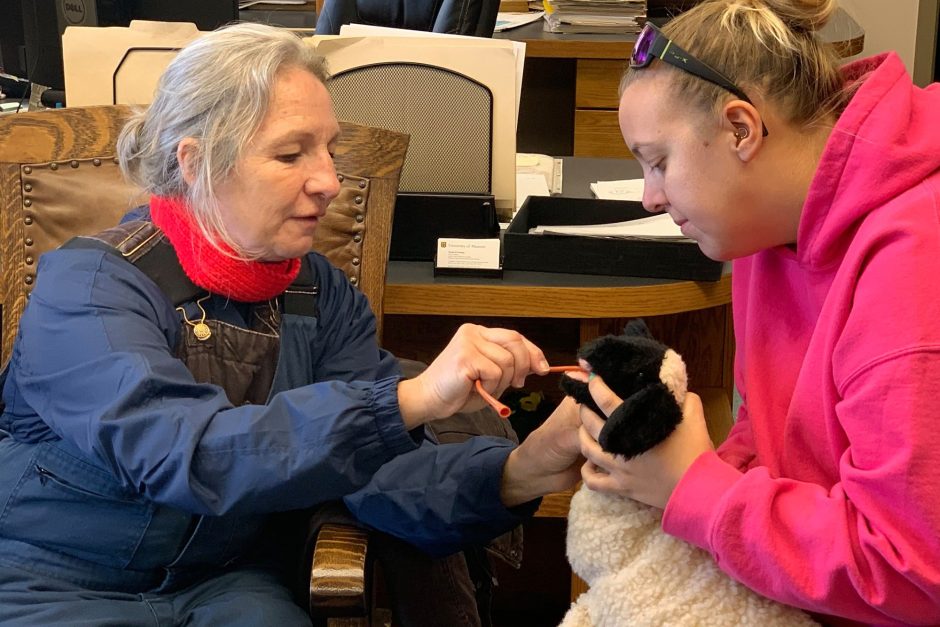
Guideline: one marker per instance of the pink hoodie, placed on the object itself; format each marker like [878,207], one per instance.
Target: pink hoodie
[826,495]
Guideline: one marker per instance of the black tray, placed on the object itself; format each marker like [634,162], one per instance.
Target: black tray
[592,255]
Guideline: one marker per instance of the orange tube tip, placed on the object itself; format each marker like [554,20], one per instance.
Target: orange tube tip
[501,409]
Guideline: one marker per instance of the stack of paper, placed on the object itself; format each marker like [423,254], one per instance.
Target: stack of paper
[595,16]
[244,4]
[658,227]
[536,175]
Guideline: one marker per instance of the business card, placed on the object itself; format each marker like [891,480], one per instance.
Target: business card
[472,254]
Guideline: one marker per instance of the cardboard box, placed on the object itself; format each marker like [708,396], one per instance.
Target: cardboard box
[591,255]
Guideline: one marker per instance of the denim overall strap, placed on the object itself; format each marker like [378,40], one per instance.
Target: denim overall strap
[240,360]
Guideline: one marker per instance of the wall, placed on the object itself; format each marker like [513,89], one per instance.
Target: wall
[908,27]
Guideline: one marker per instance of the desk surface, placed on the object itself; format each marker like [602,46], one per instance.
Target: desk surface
[412,288]
[842,31]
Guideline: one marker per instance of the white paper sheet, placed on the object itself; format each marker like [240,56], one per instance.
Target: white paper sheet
[530,184]
[244,4]
[507,21]
[627,189]
[658,226]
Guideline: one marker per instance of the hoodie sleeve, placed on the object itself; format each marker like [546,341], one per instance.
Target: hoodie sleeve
[865,548]
[738,448]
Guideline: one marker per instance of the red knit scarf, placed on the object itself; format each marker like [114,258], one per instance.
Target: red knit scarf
[213,270]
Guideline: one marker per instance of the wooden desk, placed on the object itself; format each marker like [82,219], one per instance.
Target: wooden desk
[569,94]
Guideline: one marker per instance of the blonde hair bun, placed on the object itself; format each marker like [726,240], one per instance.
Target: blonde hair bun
[802,15]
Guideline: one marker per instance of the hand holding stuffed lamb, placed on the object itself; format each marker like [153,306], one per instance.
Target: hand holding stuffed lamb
[638,575]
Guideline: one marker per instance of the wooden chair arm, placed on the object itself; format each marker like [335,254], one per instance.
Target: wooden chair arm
[340,576]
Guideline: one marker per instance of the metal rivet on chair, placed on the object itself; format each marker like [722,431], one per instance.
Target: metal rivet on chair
[357,238]
[96,161]
[29,241]
[362,184]
[27,188]
[73,163]
[29,280]
[354,280]
[341,177]
[53,166]
[28,220]
[360,217]
[28,170]
[358,200]
[356,261]
[29,261]
[27,202]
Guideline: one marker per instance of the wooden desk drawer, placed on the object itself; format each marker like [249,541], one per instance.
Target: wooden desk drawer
[597,83]
[597,134]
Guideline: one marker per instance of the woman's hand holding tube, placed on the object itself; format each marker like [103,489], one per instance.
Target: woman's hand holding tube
[651,477]
[548,460]
[497,358]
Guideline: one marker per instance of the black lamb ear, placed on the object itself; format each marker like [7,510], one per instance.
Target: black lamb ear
[637,327]
[641,422]
[578,390]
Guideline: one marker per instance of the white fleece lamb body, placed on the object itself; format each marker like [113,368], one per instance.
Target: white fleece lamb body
[641,577]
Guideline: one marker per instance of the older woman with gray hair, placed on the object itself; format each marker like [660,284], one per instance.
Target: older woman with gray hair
[153,425]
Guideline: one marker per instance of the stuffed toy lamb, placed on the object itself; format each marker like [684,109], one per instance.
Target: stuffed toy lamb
[638,575]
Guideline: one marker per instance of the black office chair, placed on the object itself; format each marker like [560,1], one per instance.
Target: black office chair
[457,17]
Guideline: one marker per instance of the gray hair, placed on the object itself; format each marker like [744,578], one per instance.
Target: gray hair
[216,90]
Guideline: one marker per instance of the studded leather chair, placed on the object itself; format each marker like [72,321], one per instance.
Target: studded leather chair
[59,178]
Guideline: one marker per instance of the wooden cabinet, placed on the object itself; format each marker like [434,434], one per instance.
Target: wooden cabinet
[596,128]
[597,83]
[570,86]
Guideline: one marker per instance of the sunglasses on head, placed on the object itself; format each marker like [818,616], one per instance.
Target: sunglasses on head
[651,42]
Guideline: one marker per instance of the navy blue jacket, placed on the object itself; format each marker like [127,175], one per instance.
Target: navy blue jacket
[111,453]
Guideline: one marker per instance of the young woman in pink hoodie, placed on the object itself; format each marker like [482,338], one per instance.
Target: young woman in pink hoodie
[823,185]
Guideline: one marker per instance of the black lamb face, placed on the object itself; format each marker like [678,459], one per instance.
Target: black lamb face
[626,363]
[631,365]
